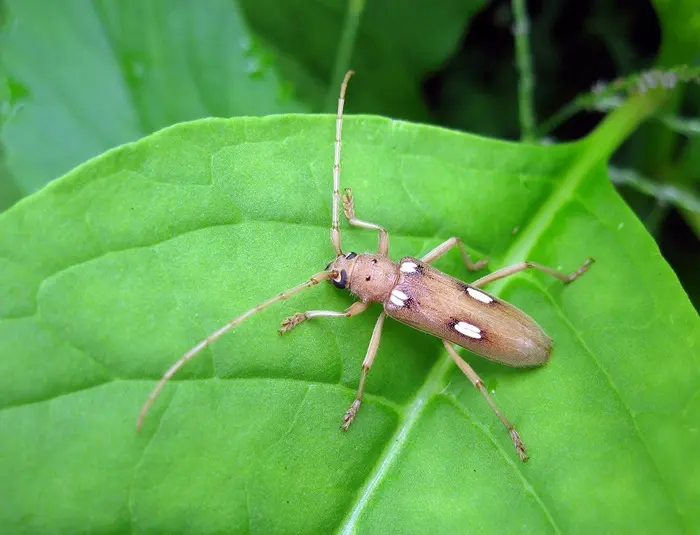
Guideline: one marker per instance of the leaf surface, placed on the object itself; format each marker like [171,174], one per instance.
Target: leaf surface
[109,274]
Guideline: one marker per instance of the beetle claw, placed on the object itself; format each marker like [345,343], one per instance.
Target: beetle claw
[519,445]
[292,321]
[350,414]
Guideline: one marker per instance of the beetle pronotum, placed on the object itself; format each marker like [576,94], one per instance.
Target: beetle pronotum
[414,293]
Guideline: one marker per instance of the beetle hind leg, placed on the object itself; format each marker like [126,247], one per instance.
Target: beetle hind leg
[522,266]
[479,384]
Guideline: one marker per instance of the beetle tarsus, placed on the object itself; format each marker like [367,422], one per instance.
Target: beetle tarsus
[350,414]
[292,321]
[519,445]
[580,271]
[478,265]
[348,204]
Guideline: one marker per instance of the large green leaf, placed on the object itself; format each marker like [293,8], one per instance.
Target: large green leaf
[111,272]
[86,76]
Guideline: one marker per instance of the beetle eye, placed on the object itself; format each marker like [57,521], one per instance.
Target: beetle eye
[350,256]
[341,281]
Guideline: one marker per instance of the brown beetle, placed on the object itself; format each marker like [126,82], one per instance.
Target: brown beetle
[415,293]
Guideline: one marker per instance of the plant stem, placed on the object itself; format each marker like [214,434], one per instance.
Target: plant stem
[687,126]
[615,128]
[562,115]
[611,95]
[663,193]
[526,83]
[344,53]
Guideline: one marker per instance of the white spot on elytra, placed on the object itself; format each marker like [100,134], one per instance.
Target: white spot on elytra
[467,329]
[399,294]
[398,298]
[479,296]
[409,267]
[396,301]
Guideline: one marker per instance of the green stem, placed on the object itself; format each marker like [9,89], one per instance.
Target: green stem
[345,50]
[688,126]
[526,77]
[610,95]
[564,114]
[621,122]
[599,146]
[693,221]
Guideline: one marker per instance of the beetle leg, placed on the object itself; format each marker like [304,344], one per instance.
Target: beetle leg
[450,244]
[522,266]
[349,209]
[366,365]
[292,321]
[479,384]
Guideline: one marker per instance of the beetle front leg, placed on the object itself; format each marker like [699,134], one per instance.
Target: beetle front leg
[479,384]
[366,365]
[450,244]
[292,321]
[349,209]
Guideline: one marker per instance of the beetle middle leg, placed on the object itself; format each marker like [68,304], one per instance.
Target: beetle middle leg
[292,321]
[366,365]
[451,244]
[479,384]
[349,209]
[522,266]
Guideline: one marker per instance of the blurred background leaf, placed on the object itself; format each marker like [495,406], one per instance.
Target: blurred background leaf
[87,76]
[393,47]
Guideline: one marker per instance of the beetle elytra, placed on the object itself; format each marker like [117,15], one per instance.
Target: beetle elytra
[417,294]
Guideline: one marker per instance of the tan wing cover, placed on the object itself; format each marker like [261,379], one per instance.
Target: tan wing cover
[448,308]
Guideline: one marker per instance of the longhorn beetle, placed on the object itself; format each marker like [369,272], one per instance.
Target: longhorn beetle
[413,292]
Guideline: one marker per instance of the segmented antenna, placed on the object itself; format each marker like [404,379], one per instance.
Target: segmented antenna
[335,230]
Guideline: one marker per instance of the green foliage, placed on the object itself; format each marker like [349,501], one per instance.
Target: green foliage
[111,272]
[114,270]
[680,24]
[393,49]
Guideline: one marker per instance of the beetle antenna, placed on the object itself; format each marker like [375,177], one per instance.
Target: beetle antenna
[335,229]
[318,277]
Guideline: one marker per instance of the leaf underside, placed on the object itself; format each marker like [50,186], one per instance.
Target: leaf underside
[110,273]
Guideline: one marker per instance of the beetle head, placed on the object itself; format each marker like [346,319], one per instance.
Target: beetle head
[342,265]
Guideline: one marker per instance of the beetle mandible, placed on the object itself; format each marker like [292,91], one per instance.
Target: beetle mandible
[417,294]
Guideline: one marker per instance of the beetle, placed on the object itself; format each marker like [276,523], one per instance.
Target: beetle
[415,293]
